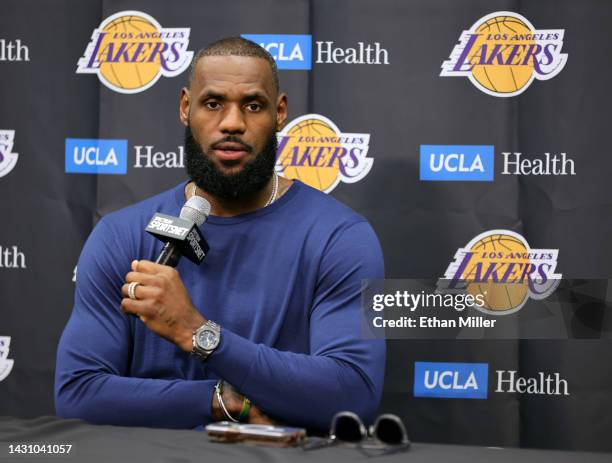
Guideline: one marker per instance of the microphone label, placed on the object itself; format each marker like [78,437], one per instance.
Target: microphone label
[194,242]
[171,227]
[182,233]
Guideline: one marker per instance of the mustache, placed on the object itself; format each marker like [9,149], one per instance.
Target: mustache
[232,139]
[255,175]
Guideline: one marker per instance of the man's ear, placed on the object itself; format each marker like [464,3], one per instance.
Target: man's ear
[281,111]
[184,106]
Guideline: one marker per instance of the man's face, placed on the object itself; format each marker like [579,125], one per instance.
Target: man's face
[231,112]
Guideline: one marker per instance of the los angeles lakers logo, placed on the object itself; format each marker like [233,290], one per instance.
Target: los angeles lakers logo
[8,159]
[500,266]
[130,51]
[502,53]
[312,149]
[6,364]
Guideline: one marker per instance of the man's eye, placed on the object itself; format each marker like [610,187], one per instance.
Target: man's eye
[254,107]
[212,105]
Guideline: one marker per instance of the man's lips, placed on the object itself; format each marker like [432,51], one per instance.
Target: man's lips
[230,155]
[230,151]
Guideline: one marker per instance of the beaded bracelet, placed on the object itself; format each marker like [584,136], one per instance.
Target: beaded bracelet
[246,408]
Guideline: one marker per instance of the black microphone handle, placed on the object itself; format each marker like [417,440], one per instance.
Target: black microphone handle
[170,255]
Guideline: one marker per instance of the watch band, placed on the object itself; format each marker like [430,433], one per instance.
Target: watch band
[196,349]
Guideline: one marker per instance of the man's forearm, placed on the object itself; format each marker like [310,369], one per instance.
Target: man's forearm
[104,398]
[294,388]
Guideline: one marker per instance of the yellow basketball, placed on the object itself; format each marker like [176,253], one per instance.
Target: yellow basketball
[321,176]
[502,78]
[499,297]
[127,75]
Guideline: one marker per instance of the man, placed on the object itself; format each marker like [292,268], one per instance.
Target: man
[282,280]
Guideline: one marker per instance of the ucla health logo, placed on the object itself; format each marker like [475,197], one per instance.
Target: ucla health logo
[312,149]
[502,53]
[96,156]
[6,364]
[291,51]
[457,163]
[13,50]
[8,159]
[130,51]
[500,268]
[294,51]
[451,380]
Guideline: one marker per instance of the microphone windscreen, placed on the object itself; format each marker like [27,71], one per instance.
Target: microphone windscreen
[196,209]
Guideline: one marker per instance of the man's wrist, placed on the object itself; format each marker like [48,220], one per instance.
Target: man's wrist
[232,401]
[186,342]
[215,408]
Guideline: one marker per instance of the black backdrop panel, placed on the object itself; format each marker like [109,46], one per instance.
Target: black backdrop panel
[401,103]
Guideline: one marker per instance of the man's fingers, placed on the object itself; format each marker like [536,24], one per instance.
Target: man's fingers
[256,416]
[138,308]
[151,268]
[141,291]
[142,278]
[261,419]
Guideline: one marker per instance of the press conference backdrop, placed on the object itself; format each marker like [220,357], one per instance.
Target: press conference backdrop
[438,120]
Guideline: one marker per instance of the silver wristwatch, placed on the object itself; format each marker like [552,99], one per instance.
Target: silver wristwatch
[206,339]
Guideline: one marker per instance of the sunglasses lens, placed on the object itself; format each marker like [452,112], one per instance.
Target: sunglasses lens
[348,429]
[389,431]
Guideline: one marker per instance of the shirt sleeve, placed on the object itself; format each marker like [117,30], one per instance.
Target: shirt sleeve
[93,356]
[343,371]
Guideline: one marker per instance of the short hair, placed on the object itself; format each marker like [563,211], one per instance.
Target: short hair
[235,46]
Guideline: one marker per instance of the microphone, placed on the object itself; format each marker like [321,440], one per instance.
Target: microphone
[181,235]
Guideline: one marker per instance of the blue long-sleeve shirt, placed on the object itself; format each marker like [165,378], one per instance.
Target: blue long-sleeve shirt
[284,283]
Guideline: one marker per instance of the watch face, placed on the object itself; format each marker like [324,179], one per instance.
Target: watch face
[207,339]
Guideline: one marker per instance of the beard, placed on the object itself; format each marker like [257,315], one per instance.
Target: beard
[252,178]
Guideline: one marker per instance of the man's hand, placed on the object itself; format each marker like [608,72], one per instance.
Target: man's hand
[162,302]
[256,416]
[232,400]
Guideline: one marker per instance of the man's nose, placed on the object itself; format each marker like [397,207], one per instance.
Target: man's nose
[233,120]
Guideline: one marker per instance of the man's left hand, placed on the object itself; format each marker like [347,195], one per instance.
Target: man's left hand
[162,302]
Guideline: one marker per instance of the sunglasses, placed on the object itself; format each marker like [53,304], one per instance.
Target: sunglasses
[386,435]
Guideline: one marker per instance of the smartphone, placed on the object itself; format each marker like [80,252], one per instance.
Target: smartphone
[263,434]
